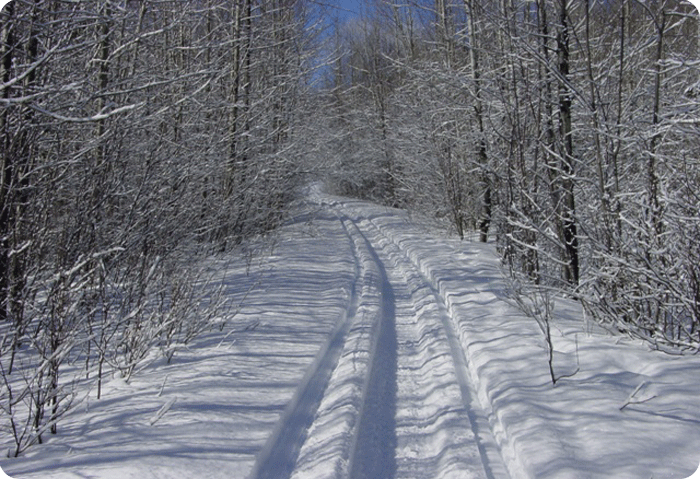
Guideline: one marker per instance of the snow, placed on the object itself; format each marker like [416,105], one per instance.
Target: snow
[373,346]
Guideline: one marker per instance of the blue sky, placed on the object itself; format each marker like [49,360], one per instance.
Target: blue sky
[346,7]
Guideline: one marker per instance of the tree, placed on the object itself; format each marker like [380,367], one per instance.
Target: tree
[482,157]
[569,127]
[135,142]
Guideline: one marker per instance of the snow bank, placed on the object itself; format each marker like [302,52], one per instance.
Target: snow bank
[578,428]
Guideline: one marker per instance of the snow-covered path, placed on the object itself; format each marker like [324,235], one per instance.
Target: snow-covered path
[371,348]
[406,408]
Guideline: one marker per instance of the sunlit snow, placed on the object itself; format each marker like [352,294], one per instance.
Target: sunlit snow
[372,346]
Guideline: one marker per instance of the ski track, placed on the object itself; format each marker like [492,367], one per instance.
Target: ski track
[389,395]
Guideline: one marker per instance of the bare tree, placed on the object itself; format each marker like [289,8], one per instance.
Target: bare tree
[118,143]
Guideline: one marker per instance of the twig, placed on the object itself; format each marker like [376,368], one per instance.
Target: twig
[161,412]
[638,401]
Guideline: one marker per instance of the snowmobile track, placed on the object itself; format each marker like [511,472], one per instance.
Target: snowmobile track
[279,456]
[372,453]
[491,461]
[389,394]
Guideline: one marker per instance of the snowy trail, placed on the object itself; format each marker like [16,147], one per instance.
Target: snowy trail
[278,457]
[372,453]
[438,426]
[407,406]
[368,345]
[459,431]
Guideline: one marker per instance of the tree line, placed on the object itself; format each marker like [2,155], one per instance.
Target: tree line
[566,130]
[137,137]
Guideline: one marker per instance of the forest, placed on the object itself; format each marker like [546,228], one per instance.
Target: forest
[141,137]
[566,131]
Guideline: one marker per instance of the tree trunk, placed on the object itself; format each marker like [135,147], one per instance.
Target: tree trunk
[568,206]
[652,175]
[7,47]
[482,157]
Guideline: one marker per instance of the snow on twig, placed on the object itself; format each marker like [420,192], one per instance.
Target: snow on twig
[161,412]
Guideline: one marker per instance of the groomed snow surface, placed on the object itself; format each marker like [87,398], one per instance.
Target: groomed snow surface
[371,347]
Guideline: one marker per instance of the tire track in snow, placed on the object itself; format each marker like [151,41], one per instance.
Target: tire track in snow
[352,413]
[434,432]
[390,395]
[486,426]
[278,457]
[483,441]
[373,452]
